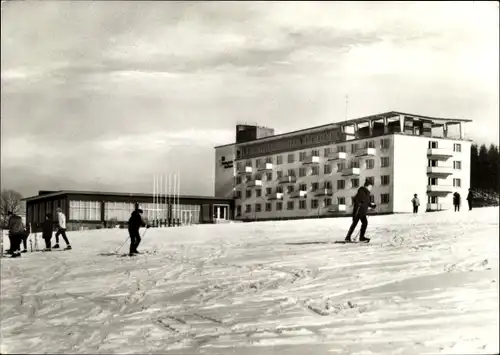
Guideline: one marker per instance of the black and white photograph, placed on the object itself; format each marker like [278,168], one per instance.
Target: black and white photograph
[249,177]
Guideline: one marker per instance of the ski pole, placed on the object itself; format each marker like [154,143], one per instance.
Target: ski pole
[117,250]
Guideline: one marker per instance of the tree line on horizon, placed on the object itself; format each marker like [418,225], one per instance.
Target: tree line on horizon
[484,168]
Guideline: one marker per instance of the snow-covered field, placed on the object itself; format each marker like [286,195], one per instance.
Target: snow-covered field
[427,284]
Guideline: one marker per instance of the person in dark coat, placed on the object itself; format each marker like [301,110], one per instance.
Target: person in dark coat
[415,202]
[456,201]
[469,199]
[362,202]
[47,229]
[134,223]
[17,232]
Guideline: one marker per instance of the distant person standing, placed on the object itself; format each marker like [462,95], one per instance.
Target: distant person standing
[47,229]
[415,202]
[469,199]
[61,229]
[456,201]
[16,234]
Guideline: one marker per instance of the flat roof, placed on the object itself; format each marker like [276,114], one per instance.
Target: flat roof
[388,114]
[111,194]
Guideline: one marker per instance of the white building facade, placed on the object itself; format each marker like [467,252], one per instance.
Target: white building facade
[316,172]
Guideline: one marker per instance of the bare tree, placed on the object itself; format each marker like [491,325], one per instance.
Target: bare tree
[10,200]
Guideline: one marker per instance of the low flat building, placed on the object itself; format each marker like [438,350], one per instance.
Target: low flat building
[91,209]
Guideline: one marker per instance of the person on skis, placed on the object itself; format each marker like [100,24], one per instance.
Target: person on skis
[61,229]
[362,202]
[134,224]
[47,229]
[17,232]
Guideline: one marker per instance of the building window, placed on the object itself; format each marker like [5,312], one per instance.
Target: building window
[289,205]
[302,156]
[354,148]
[370,163]
[279,160]
[238,165]
[291,172]
[341,200]
[385,180]
[258,177]
[248,208]
[237,194]
[328,184]
[370,144]
[248,163]
[457,147]
[248,178]
[433,199]
[314,204]
[279,189]
[238,180]
[327,169]
[279,174]
[117,210]
[315,170]
[384,199]
[315,186]
[340,167]
[302,172]
[291,158]
[302,187]
[354,164]
[327,151]
[370,179]
[341,149]
[268,207]
[269,191]
[385,143]
[269,176]
[238,210]
[290,189]
[372,198]
[87,211]
[258,207]
[457,183]
[457,165]
[258,193]
[257,163]
[353,200]
[340,184]
[279,206]
[315,153]
[269,160]
[384,162]
[248,194]
[302,204]
[355,183]
[328,202]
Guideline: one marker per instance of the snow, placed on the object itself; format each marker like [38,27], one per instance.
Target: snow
[427,283]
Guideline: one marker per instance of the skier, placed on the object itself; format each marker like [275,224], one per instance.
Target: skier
[361,204]
[469,199]
[456,201]
[47,229]
[416,202]
[134,223]
[16,234]
[61,229]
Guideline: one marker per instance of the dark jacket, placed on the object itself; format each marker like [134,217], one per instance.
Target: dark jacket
[135,221]
[470,196]
[362,202]
[15,225]
[456,198]
[47,228]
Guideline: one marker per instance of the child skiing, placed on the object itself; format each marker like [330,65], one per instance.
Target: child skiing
[361,204]
[415,202]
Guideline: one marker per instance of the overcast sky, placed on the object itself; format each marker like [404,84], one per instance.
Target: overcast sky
[103,95]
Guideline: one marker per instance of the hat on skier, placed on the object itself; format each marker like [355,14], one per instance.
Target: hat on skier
[139,210]
[58,209]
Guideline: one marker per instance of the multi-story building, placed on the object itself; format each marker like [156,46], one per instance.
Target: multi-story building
[316,171]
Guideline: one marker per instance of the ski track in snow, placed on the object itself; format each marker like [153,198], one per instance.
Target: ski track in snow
[426,284]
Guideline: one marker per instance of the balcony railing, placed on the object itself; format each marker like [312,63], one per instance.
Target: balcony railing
[287,179]
[275,196]
[351,172]
[311,160]
[266,166]
[440,170]
[245,170]
[439,153]
[434,207]
[254,183]
[366,152]
[337,208]
[323,192]
[298,194]
[439,188]
[337,156]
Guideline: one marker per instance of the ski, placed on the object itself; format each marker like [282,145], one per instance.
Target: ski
[351,242]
